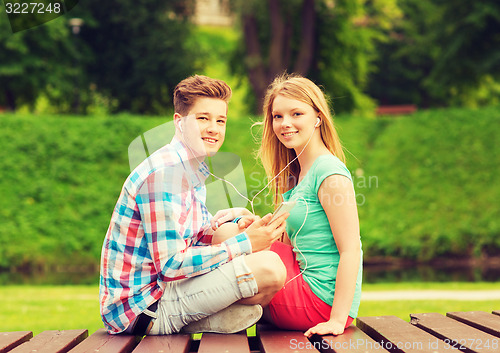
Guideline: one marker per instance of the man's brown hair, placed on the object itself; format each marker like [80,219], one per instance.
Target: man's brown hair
[191,88]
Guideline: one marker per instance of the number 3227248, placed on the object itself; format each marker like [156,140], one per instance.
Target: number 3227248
[32,7]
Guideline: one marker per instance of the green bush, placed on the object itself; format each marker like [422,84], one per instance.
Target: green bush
[61,177]
[437,194]
[426,183]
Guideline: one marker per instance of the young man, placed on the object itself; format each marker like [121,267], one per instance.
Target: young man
[160,271]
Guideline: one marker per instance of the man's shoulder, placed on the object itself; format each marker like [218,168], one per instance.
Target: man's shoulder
[163,161]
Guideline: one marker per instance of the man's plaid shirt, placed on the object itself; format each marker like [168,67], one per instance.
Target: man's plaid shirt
[157,234]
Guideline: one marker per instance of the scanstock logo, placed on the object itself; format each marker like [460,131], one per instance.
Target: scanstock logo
[225,165]
[25,14]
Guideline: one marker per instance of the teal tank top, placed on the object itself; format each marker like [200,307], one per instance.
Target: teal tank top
[315,240]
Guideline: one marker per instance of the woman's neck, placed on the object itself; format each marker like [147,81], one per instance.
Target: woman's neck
[313,150]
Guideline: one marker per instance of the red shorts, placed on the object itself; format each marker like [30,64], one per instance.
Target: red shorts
[295,306]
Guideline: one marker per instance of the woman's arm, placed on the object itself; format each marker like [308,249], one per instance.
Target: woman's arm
[285,239]
[338,199]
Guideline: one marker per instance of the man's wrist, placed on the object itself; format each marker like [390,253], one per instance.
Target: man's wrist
[237,219]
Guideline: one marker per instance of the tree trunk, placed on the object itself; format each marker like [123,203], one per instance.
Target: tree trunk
[287,48]
[277,43]
[254,61]
[307,38]
[10,100]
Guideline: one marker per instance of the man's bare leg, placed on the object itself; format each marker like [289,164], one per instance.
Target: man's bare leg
[267,267]
[270,274]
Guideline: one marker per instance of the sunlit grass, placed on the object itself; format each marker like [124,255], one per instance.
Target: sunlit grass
[430,286]
[40,308]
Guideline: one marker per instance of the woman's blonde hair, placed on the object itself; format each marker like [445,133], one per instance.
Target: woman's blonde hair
[274,155]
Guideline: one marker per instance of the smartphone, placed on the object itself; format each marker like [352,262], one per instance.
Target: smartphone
[286,206]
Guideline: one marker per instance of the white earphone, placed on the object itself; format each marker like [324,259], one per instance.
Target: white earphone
[180,126]
[319,121]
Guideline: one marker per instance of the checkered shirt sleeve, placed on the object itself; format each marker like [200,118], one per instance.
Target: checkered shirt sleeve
[156,235]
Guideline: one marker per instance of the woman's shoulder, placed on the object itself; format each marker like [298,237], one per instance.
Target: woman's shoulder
[330,164]
[325,166]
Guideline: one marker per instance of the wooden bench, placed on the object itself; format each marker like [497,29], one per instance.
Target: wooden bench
[396,109]
[472,332]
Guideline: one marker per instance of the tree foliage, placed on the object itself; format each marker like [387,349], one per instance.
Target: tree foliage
[34,60]
[131,55]
[332,42]
[140,50]
[469,46]
[441,53]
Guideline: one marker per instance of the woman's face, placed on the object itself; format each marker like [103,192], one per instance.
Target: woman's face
[293,122]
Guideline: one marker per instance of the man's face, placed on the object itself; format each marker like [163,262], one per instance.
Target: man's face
[204,127]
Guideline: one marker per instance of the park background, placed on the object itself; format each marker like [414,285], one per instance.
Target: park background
[75,93]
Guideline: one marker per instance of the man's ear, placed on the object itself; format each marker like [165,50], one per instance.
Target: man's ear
[178,121]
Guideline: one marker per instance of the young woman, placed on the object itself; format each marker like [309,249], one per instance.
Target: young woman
[322,247]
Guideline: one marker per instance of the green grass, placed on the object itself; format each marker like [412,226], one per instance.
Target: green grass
[433,194]
[40,308]
[430,286]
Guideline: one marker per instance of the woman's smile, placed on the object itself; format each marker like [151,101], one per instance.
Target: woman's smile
[289,134]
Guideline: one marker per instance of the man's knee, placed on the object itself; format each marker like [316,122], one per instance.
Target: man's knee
[278,269]
[269,270]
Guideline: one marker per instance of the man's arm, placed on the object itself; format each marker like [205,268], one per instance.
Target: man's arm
[172,218]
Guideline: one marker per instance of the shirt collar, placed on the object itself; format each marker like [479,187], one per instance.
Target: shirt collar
[200,175]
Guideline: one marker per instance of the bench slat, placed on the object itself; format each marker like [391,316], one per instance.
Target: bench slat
[455,333]
[52,342]
[478,319]
[219,343]
[274,341]
[496,312]
[394,333]
[353,340]
[396,109]
[10,340]
[179,343]
[103,342]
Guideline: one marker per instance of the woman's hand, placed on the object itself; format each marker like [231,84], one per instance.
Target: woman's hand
[262,233]
[330,327]
[227,215]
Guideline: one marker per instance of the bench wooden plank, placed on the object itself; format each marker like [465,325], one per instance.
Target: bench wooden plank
[496,312]
[396,109]
[179,343]
[273,340]
[455,333]
[52,342]
[353,340]
[220,343]
[10,340]
[102,342]
[394,333]
[478,319]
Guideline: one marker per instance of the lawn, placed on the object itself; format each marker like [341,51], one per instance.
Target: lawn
[40,308]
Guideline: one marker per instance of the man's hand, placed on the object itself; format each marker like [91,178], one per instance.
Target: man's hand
[227,215]
[263,233]
[330,327]
[245,221]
